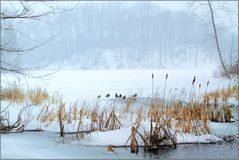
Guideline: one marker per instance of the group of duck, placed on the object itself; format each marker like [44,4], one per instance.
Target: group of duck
[120,96]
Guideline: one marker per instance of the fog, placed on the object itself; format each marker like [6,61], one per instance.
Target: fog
[119,35]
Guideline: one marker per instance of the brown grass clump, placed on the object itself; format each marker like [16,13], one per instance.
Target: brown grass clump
[94,120]
[36,96]
[101,121]
[17,94]
[162,134]
[80,121]
[206,99]
[220,113]
[47,116]
[74,111]
[13,94]
[133,142]
[223,94]
[176,109]
[56,99]
[139,116]
[190,117]
[156,109]
[112,122]
[129,103]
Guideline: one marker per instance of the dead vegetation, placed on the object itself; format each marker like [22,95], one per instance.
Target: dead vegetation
[13,94]
[38,95]
[112,122]
[167,118]
[18,126]
[17,94]
[232,70]
[223,112]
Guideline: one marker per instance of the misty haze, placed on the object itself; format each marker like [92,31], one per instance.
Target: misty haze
[119,80]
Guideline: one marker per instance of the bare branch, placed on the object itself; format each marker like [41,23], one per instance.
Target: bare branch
[26,12]
[216,38]
[19,50]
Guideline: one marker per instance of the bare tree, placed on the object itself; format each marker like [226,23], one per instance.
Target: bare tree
[25,10]
[216,39]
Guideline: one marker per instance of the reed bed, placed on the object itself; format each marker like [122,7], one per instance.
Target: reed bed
[192,117]
[38,95]
[18,94]
[13,93]
[167,118]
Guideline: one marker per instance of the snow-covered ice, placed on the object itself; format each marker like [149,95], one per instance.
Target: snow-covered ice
[85,85]
[88,84]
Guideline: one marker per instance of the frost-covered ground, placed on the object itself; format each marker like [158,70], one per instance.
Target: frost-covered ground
[86,85]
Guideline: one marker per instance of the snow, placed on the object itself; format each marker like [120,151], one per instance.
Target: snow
[233,101]
[120,136]
[88,84]
[223,129]
[84,86]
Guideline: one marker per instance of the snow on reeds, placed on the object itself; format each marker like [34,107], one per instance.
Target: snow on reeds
[167,118]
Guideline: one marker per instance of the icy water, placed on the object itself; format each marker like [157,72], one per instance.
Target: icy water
[197,151]
[48,145]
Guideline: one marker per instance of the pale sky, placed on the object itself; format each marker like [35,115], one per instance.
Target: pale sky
[172,5]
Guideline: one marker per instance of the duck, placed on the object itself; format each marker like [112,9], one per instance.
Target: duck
[120,96]
[134,96]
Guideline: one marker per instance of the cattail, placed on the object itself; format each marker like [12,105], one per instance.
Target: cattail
[151,118]
[194,78]
[191,95]
[165,84]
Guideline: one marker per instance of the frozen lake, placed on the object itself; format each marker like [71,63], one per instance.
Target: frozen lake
[88,84]
[49,145]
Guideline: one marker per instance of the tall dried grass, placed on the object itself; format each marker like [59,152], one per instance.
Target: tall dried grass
[17,94]
[13,94]
[38,95]
[112,122]
[60,118]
